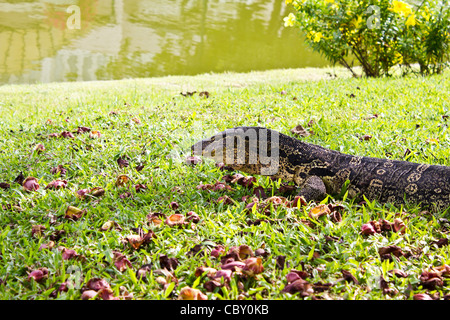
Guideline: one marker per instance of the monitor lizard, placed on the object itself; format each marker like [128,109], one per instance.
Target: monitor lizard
[319,171]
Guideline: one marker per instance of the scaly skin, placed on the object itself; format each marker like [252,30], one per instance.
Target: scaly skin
[387,181]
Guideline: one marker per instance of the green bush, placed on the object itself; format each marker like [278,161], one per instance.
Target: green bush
[379,34]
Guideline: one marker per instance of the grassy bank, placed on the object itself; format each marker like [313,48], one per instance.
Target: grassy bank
[146,127]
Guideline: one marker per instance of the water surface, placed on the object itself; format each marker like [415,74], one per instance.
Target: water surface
[50,41]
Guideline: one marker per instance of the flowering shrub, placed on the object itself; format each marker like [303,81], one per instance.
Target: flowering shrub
[379,34]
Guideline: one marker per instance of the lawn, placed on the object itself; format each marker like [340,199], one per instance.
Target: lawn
[130,138]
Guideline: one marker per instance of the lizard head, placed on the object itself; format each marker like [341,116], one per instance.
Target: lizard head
[253,150]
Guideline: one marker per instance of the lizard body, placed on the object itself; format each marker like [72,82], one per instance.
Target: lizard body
[317,170]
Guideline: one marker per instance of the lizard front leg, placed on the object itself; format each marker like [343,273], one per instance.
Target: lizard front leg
[312,188]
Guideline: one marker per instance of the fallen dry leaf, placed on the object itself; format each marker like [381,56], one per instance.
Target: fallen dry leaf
[175,220]
[187,293]
[30,184]
[74,213]
[318,211]
[57,184]
[300,131]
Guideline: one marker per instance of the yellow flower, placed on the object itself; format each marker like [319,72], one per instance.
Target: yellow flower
[411,21]
[401,8]
[288,1]
[329,1]
[315,36]
[289,20]
[357,22]
[398,58]
[426,14]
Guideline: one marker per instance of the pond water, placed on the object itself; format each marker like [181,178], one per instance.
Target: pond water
[53,41]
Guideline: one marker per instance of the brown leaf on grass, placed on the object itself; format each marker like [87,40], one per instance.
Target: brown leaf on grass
[47,246]
[422,296]
[299,285]
[233,265]
[192,216]
[122,180]
[441,242]
[386,252]
[123,162]
[36,230]
[125,195]
[218,186]
[367,229]
[398,273]
[211,285]
[97,192]
[39,148]
[286,189]
[68,254]
[432,141]
[136,120]
[121,262]
[280,262]
[301,131]
[57,184]
[204,94]
[349,277]
[136,240]
[168,263]
[143,271]
[67,135]
[430,280]
[95,134]
[399,226]
[225,200]
[108,225]
[106,294]
[140,187]
[82,129]
[30,184]
[318,211]
[261,252]
[88,294]
[187,293]
[58,169]
[217,251]
[97,284]
[175,220]
[223,275]
[365,137]
[297,202]
[384,286]
[55,236]
[140,167]
[19,179]
[294,275]
[192,160]
[38,275]
[196,250]
[4,185]
[253,266]
[74,213]
[240,252]
[155,218]
[210,272]
[188,93]
[372,116]
[174,205]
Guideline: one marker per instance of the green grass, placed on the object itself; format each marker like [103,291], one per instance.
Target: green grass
[410,111]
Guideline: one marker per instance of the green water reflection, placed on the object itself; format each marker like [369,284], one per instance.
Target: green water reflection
[118,39]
